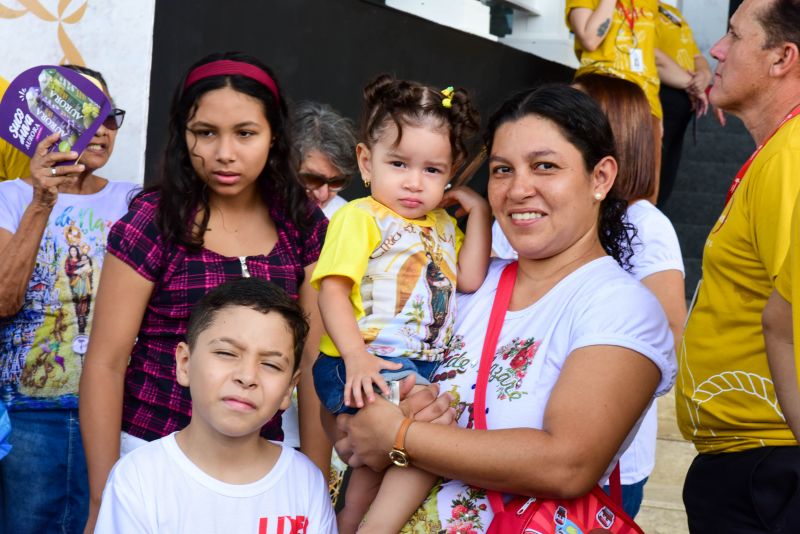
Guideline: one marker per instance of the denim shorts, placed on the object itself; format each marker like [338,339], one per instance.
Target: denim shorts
[329,378]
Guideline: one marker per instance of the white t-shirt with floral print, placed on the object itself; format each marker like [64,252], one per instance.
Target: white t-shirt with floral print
[598,304]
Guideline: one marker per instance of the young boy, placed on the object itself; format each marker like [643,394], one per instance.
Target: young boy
[244,342]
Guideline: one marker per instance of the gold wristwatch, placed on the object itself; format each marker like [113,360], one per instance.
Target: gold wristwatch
[398,454]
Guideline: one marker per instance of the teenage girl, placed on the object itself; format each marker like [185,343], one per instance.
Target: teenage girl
[228,205]
[387,272]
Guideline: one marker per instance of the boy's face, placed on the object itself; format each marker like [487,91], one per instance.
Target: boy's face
[240,371]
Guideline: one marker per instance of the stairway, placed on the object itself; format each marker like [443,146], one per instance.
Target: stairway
[704,176]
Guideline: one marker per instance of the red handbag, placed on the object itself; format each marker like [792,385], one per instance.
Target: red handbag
[593,513]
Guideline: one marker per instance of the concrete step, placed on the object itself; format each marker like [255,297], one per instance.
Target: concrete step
[709,176]
[662,509]
[692,238]
[694,207]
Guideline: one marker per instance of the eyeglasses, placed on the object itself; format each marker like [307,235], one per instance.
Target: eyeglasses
[114,119]
[314,181]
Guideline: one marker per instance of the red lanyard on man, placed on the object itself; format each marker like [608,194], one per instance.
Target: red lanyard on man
[739,175]
[630,17]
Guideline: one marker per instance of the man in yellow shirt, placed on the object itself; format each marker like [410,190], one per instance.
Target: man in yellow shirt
[13,163]
[746,476]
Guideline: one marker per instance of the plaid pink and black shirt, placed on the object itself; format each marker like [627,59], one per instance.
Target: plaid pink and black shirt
[154,404]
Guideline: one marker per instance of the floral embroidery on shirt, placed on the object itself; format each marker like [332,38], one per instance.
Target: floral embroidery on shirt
[518,355]
[464,516]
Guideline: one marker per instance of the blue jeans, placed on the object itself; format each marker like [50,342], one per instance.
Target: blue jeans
[632,495]
[329,378]
[43,483]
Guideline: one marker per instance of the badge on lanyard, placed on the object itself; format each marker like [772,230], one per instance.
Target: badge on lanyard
[636,55]
[637,60]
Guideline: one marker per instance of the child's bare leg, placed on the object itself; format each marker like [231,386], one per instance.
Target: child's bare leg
[402,491]
[361,490]
[329,425]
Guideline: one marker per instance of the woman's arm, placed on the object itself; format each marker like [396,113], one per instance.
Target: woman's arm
[314,443]
[476,250]
[122,298]
[670,73]
[600,394]
[778,335]
[668,288]
[590,26]
[19,250]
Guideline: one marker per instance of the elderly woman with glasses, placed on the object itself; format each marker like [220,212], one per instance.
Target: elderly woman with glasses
[325,148]
[53,228]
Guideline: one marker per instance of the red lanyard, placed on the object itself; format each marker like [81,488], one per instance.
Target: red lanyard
[739,175]
[630,17]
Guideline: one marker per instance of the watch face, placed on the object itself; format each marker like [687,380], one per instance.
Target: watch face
[399,458]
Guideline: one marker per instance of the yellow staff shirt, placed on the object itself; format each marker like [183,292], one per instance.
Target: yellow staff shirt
[725,398]
[13,163]
[612,57]
[674,36]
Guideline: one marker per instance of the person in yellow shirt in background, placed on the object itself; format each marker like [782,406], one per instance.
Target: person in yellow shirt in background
[13,163]
[618,38]
[745,477]
[678,100]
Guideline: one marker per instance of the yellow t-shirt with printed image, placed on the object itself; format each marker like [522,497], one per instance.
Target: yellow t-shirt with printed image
[788,285]
[724,395]
[674,36]
[13,163]
[612,57]
[403,273]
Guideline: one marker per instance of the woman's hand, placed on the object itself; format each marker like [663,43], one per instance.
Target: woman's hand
[369,434]
[467,199]
[363,375]
[47,175]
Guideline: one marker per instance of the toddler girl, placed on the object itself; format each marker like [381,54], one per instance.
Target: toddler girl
[387,271]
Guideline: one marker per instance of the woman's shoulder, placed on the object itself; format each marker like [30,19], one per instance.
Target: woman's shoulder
[15,189]
[655,244]
[122,188]
[644,211]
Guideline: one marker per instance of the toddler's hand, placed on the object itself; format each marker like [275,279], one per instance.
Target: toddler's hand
[466,198]
[363,374]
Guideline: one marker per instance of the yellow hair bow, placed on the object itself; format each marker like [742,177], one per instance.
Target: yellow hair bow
[447,101]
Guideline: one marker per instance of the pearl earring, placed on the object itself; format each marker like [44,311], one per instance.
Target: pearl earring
[598,196]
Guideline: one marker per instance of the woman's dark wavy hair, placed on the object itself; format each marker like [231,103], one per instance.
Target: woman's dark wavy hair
[390,101]
[586,127]
[183,193]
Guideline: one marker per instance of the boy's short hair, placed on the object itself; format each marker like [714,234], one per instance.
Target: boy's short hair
[258,295]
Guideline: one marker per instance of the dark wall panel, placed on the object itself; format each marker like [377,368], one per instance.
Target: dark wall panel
[327,50]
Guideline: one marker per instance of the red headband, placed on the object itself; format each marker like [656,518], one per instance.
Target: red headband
[227,66]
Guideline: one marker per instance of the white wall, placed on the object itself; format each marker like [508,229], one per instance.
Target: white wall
[709,22]
[112,36]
